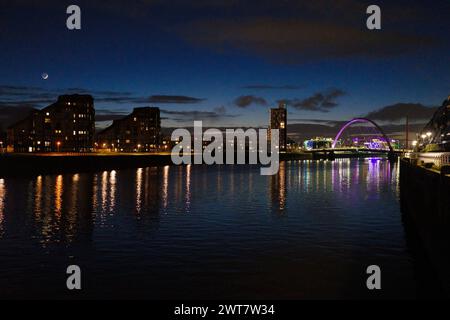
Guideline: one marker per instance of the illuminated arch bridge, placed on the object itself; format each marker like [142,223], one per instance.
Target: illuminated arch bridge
[362,120]
[350,152]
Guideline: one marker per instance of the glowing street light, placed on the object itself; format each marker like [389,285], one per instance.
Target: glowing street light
[414,143]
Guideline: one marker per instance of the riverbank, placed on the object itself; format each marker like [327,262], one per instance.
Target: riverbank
[25,164]
[425,198]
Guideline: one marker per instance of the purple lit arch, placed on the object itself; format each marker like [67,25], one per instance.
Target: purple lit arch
[364,120]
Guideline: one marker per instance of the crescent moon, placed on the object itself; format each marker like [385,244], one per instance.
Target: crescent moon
[45,76]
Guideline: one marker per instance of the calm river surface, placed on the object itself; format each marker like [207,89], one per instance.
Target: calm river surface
[211,232]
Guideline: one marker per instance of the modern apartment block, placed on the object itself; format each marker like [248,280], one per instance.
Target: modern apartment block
[139,131]
[68,125]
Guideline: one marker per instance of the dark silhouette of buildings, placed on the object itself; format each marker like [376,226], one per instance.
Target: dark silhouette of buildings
[278,120]
[140,131]
[68,125]
[439,128]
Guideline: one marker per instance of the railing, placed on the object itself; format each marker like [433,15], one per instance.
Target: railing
[438,159]
[445,159]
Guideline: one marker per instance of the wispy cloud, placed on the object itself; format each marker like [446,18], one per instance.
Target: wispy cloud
[38,97]
[191,115]
[246,101]
[271,87]
[320,101]
[294,41]
[173,99]
[399,111]
[109,115]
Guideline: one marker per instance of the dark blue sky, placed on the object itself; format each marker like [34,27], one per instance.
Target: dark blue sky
[194,59]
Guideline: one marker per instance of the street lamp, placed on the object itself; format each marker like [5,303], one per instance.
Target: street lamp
[58,144]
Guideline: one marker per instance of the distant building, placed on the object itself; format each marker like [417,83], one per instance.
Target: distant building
[140,131]
[278,120]
[318,143]
[68,125]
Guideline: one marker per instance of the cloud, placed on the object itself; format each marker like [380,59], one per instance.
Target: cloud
[271,87]
[321,101]
[99,92]
[18,90]
[191,115]
[173,99]
[399,111]
[39,97]
[245,101]
[109,115]
[299,40]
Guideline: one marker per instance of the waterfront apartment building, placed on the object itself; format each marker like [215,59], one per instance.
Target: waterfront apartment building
[139,131]
[278,120]
[68,125]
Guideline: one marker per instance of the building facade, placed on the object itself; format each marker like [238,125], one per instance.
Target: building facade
[140,131]
[68,125]
[278,120]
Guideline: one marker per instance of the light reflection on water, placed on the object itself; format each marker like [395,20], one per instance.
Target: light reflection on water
[2,203]
[195,231]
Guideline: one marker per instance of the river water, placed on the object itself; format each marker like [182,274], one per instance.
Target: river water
[212,232]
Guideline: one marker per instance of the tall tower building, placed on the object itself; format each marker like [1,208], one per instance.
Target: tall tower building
[278,120]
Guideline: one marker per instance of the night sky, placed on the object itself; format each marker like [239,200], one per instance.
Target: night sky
[227,62]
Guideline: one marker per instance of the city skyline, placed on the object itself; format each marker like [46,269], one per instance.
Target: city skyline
[221,157]
[220,74]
